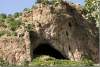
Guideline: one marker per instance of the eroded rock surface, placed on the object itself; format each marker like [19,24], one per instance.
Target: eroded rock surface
[62,26]
[15,50]
[66,30]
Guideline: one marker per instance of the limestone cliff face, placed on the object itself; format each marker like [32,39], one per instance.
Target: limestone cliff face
[67,31]
[62,26]
[15,50]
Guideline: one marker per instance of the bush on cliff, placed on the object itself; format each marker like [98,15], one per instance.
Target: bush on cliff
[3,63]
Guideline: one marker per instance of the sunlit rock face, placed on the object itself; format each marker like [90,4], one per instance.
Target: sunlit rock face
[62,27]
[66,30]
[15,50]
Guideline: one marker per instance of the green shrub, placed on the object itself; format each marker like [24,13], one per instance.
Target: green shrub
[87,61]
[58,62]
[26,63]
[26,9]
[13,25]
[3,63]
[2,33]
[92,11]
[2,20]
[17,14]
[9,16]
[9,19]
[43,1]
[39,1]
[29,27]
[3,16]
[14,34]
[2,23]
[55,2]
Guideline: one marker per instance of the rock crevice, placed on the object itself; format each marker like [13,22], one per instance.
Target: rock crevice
[64,28]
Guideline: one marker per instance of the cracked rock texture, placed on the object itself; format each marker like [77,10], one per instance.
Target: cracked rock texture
[62,26]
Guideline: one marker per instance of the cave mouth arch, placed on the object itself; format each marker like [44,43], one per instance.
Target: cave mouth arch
[46,49]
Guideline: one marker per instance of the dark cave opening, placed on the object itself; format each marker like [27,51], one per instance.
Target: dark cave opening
[46,49]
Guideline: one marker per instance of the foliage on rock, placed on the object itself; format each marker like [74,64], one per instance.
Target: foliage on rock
[2,33]
[9,23]
[12,23]
[91,11]
[54,2]
[3,63]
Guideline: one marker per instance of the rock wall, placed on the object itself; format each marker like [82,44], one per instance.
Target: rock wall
[67,31]
[15,50]
[62,26]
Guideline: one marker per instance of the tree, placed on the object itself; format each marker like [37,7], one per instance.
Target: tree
[54,2]
[17,14]
[91,11]
[39,1]
[26,9]
[3,16]
[9,16]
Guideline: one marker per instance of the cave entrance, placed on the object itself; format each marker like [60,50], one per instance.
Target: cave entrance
[46,49]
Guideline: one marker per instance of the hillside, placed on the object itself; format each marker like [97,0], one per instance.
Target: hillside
[58,30]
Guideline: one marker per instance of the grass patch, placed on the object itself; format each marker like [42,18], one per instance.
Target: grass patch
[3,63]
[50,61]
[45,60]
